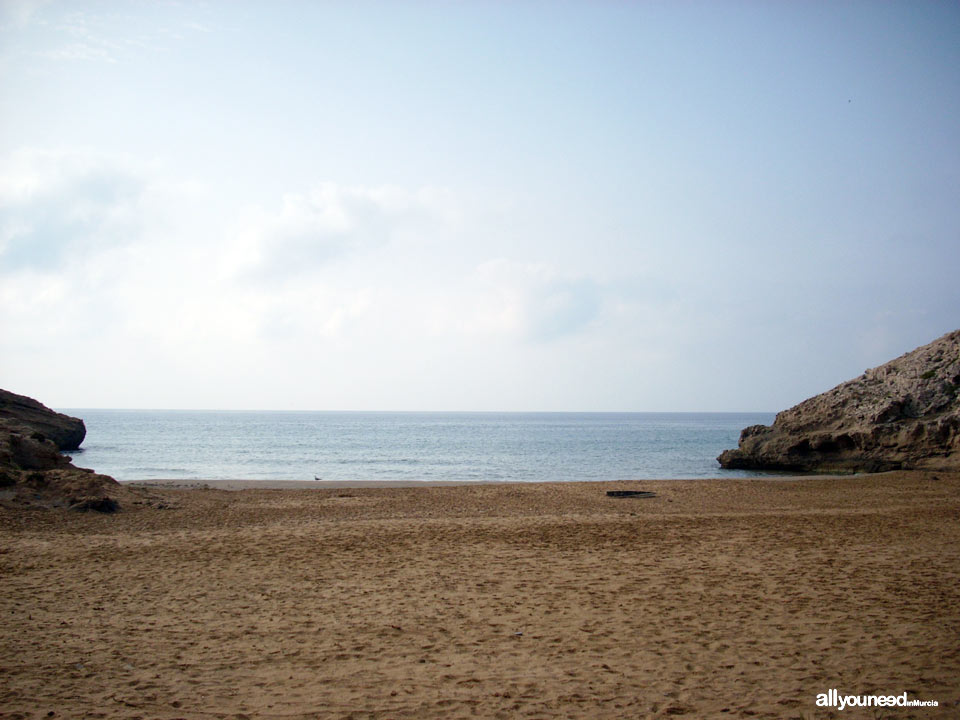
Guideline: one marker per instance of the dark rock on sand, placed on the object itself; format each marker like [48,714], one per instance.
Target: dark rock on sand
[33,472]
[99,504]
[902,415]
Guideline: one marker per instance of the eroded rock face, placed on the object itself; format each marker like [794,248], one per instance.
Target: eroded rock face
[66,432]
[23,448]
[33,472]
[902,415]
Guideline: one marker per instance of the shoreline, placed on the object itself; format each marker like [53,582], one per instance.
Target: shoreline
[247,484]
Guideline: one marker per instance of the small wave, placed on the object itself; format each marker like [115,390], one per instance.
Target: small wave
[360,462]
[161,471]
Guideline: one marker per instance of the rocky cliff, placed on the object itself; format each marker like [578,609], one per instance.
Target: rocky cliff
[902,415]
[33,472]
[66,432]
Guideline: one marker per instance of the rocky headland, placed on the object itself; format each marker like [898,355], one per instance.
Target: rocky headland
[904,414]
[33,470]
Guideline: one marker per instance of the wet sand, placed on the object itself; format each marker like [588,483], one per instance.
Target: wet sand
[727,598]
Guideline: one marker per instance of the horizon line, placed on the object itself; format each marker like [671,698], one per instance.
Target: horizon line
[425,412]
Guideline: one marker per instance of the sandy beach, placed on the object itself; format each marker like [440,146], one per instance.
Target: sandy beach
[725,598]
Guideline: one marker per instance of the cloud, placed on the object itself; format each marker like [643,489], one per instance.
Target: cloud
[533,301]
[56,207]
[312,229]
[336,296]
[99,250]
[120,261]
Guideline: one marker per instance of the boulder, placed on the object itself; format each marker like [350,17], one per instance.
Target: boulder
[902,415]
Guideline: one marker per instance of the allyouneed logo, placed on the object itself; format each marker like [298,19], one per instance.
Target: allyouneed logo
[833,698]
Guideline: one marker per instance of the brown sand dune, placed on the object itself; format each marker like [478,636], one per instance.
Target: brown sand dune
[731,598]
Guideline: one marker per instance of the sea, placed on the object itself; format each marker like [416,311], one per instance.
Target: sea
[408,446]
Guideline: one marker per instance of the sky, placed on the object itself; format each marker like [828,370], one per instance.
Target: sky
[474,205]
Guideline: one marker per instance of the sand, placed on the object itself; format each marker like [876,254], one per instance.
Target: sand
[728,598]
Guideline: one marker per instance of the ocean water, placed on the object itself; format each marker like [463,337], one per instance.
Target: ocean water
[445,447]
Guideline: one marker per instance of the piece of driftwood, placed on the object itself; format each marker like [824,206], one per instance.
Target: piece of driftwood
[631,493]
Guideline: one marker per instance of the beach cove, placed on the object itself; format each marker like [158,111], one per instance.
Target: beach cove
[715,598]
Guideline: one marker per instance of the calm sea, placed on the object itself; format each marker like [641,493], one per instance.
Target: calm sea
[454,447]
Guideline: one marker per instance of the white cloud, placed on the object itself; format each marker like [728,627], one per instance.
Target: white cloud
[330,221]
[57,207]
[531,301]
[117,248]
[339,296]
[116,260]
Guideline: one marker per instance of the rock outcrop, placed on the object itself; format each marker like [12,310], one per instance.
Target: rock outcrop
[902,415]
[33,472]
[66,432]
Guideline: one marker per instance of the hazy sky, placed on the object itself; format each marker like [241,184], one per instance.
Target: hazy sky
[473,205]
